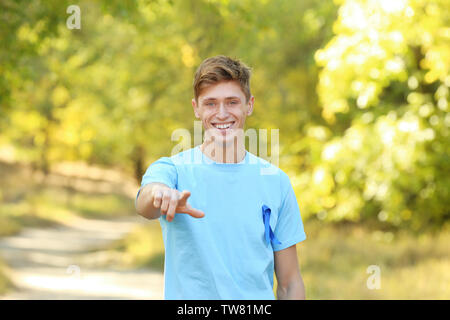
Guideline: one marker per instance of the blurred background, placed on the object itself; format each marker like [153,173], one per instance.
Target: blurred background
[358,89]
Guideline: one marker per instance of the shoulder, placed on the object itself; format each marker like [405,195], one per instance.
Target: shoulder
[170,162]
[183,157]
[176,159]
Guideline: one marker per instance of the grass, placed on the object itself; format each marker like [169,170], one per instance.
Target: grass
[334,260]
[29,201]
[49,206]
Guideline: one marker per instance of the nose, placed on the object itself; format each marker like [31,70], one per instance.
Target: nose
[222,114]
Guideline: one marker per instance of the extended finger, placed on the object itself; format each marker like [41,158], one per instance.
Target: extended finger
[172,206]
[194,212]
[165,201]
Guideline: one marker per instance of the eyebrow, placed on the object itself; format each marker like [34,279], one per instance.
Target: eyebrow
[227,98]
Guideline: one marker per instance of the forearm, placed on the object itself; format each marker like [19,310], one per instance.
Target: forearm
[144,203]
[295,290]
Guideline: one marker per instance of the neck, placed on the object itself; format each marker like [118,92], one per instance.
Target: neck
[224,153]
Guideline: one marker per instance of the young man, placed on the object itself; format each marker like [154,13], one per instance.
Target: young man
[227,223]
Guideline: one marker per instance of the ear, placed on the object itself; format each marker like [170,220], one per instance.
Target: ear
[194,105]
[250,104]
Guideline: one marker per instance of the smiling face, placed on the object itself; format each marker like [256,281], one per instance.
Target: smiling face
[223,108]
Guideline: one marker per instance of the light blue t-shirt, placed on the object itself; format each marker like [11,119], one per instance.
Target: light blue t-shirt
[250,212]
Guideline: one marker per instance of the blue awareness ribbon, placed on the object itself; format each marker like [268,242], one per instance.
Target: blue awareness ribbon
[269,235]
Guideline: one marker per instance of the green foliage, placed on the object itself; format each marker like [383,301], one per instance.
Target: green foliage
[359,90]
[384,89]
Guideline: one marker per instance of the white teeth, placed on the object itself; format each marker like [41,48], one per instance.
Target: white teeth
[223,126]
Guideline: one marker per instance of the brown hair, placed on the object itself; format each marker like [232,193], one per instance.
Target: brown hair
[221,68]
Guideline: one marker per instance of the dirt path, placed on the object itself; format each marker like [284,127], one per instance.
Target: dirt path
[55,263]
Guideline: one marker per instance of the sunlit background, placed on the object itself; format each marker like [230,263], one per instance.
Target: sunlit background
[359,91]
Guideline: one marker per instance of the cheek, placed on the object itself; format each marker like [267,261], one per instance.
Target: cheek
[207,117]
[240,115]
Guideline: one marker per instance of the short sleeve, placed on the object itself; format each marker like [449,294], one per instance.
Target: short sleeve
[289,228]
[162,171]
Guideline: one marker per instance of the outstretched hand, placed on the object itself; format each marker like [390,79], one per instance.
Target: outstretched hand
[171,201]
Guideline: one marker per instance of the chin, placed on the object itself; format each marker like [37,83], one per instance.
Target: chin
[226,137]
[221,140]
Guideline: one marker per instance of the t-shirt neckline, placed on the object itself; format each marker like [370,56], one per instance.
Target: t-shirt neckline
[208,160]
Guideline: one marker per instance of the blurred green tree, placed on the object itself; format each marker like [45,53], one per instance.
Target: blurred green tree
[358,89]
[384,89]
